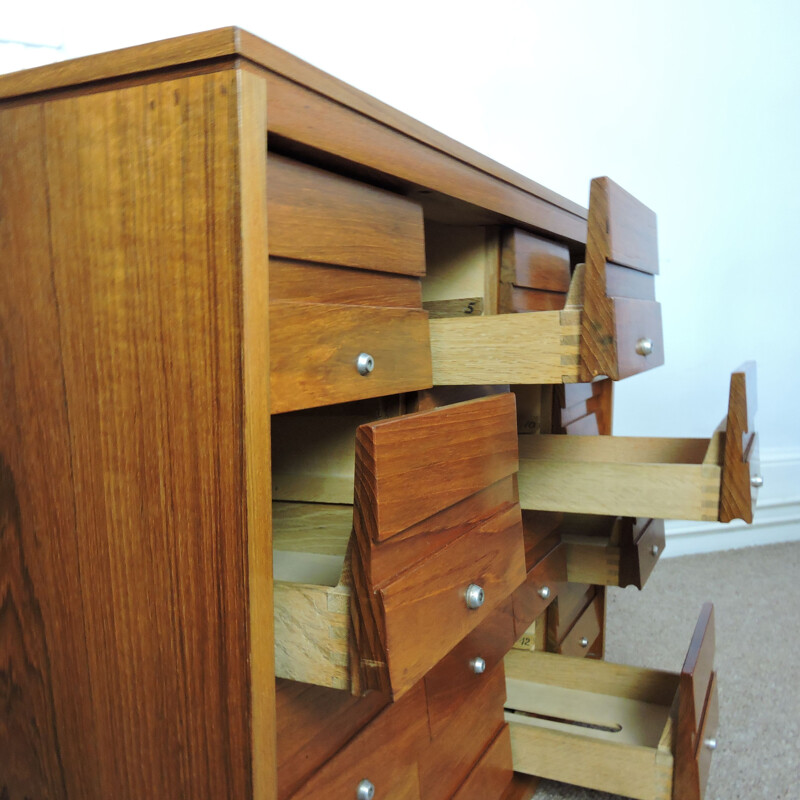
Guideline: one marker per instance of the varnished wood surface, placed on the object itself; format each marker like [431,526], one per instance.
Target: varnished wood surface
[133,444]
[492,775]
[551,573]
[533,262]
[316,215]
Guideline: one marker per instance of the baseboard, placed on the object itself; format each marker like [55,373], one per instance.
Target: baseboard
[776,519]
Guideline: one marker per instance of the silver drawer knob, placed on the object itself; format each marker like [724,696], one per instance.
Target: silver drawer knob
[710,744]
[474,596]
[644,346]
[654,550]
[365,363]
[756,481]
[544,592]
[584,642]
[365,791]
[477,665]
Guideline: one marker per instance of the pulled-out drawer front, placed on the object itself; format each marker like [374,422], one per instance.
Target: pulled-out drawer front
[581,640]
[315,350]
[636,732]
[384,753]
[542,585]
[316,215]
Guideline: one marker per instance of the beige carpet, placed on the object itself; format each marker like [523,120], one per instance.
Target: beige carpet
[756,596]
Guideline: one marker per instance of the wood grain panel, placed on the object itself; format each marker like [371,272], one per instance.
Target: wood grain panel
[549,573]
[128,434]
[317,283]
[314,348]
[533,262]
[315,215]
[632,238]
[521,300]
[416,465]
[492,774]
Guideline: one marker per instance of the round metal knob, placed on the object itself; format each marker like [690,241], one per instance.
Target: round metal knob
[365,790]
[544,592]
[474,596]
[654,550]
[365,363]
[710,744]
[584,642]
[477,665]
[644,346]
[756,481]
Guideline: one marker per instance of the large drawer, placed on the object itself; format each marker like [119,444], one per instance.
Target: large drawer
[696,479]
[385,588]
[640,733]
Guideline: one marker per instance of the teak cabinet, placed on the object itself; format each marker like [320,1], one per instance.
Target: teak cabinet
[305,449]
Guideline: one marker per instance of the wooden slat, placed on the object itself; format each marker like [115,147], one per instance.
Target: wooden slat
[521,348]
[623,282]
[315,215]
[316,283]
[314,348]
[415,466]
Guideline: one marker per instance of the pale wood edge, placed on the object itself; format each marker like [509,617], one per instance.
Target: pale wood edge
[252,177]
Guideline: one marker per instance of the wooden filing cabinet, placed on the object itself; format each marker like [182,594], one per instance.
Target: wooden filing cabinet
[299,441]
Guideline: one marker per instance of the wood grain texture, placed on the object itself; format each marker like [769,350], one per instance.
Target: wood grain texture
[314,348]
[740,455]
[317,283]
[128,374]
[547,577]
[492,775]
[622,231]
[316,215]
[521,300]
[313,724]
[521,348]
[581,639]
[413,467]
[533,262]
[579,401]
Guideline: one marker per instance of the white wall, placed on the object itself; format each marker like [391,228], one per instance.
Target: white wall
[692,106]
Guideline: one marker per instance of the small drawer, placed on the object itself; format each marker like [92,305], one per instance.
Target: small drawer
[696,479]
[564,612]
[319,216]
[384,755]
[583,637]
[385,588]
[326,353]
[544,581]
[610,551]
[635,732]
[492,775]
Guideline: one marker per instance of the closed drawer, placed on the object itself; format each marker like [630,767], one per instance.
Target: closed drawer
[326,353]
[374,594]
[634,732]
[610,551]
[696,479]
[492,774]
[544,581]
[384,755]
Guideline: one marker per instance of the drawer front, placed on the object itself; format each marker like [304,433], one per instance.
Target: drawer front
[582,638]
[315,215]
[385,753]
[315,347]
[638,560]
[564,612]
[468,666]
[492,774]
[543,584]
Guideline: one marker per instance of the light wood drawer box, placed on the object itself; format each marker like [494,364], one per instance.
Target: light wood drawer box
[609,551]
[640,733]
[435,514]
[695,479]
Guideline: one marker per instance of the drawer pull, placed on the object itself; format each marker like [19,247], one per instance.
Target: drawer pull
[544,592]
[477,665]
[365,791]
[710,744]
[584,642]
[644,347]
[654,550]
[365,363]
[474,596]
[756,481]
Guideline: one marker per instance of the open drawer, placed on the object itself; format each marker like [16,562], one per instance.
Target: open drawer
[696,479]
[372,593]
[608,323]
[639,733]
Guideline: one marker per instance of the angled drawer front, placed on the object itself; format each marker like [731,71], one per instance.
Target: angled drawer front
[640,733]
[346,319]
[375,594]
[696,479]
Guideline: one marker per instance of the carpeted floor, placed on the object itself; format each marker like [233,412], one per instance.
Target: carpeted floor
[756,596]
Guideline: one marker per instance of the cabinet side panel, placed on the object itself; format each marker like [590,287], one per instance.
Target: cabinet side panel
[122,428]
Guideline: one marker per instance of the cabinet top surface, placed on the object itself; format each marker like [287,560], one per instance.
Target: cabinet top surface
[223,44]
